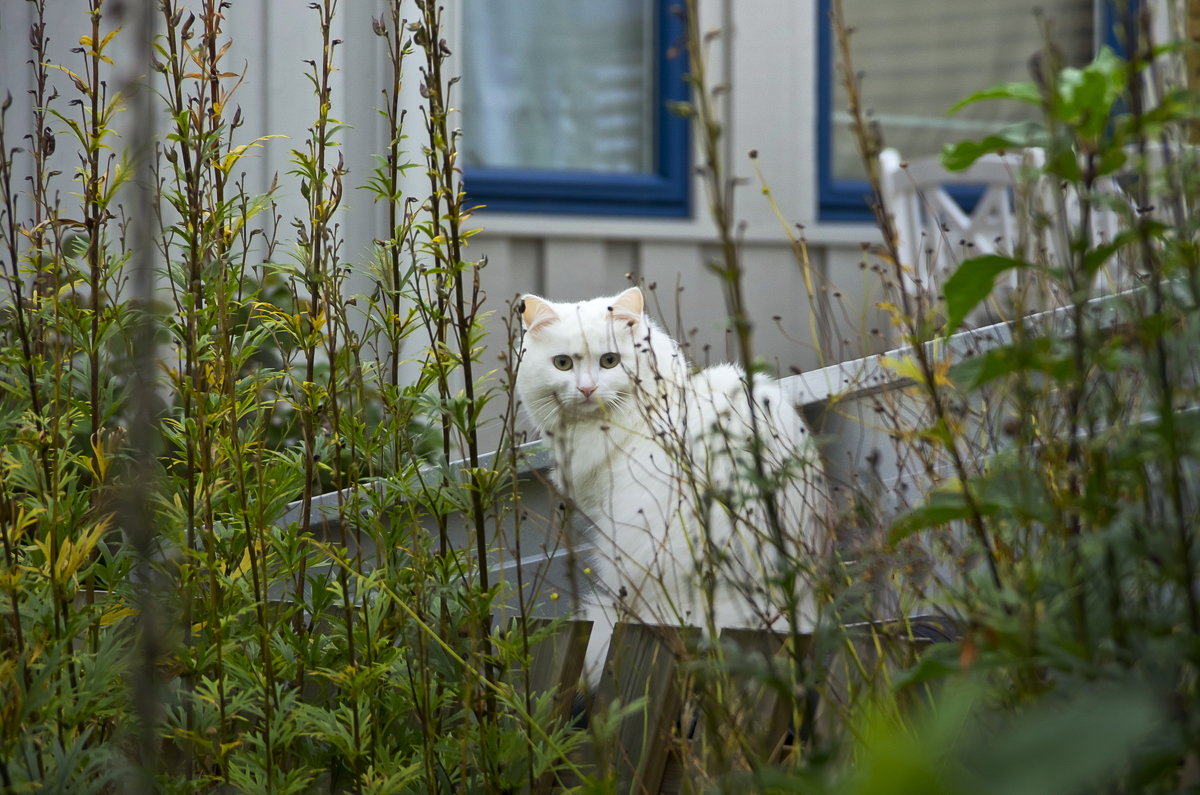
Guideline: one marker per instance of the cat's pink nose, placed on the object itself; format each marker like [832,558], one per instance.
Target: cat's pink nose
[587,390]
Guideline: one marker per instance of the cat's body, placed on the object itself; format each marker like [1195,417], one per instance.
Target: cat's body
[660,459]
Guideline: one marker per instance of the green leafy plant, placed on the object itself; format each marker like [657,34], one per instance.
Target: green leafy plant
[229,486]
[304,619]
[1064,449]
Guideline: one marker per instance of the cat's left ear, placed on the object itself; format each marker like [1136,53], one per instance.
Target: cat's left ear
[628,306]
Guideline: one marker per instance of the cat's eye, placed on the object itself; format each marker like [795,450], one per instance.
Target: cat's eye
[563,362]
[610,360]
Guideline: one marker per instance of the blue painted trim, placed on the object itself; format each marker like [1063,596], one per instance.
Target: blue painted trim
[839,200]
[665,193]
[1115,29]
[849,199]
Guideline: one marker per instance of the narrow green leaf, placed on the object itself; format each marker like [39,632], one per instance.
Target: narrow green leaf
[1042,355]
[1026,92]
[1063,163]
[938,662]
[1095,258]
[943,507]
[968,286]
[959,156]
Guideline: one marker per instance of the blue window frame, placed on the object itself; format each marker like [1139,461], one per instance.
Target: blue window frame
[661,190]
[844,198]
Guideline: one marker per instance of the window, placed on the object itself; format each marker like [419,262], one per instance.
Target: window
[566,107]
[917,59]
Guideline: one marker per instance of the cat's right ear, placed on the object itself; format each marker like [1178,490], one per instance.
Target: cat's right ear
[535,313]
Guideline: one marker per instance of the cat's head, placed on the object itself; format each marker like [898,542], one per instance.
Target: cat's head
[589,360]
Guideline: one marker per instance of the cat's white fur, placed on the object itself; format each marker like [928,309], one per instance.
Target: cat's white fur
[659,458]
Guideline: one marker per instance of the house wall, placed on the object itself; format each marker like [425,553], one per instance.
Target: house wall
[766,55]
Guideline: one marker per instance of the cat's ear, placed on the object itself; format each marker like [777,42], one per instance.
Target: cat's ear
[535,313]
[628,306]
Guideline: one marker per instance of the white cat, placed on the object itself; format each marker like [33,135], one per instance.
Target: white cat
[661,459]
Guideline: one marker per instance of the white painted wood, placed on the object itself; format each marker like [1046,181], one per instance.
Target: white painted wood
[686,298]
[772,85]
[15,83]
[578,269]
[248,26]
[514,267]
[851,294]
[776,296]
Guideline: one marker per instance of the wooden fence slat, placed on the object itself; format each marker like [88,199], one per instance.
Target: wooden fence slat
[558,663]
[762,712]
[873,653]
[643,663]
[555,667]
[650,751]
[749,714]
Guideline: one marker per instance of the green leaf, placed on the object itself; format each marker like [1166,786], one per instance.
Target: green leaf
[937,662]
[1026,92]
[942,508]
[1112,159]
[959,156]
[1042,354]
[1095,258]
[1075,745]
[1063,163]
[1086,96]
[968,286]
[1015,489]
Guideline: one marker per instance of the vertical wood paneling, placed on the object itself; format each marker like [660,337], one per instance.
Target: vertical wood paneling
[773,286]
[686,297]
[513,266]
[859,327]
[288,35]
[772,110]
[15,83]
[621,257]
[247,25]
[692,304]
[357,95]
[579,269]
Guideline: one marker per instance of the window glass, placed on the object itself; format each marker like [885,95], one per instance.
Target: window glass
[562,85]
[918,57]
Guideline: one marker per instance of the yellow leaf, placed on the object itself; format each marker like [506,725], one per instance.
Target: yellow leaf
[243,566]
[907,367]
[10,580]
[888,306]
[99,468]
[904,367]
[108,37]
[72,556]
[941,373]
[79,84]
[115,613]
[24,519]
[85,41]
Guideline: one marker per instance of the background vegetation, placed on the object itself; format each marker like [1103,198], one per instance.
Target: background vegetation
[183,376]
